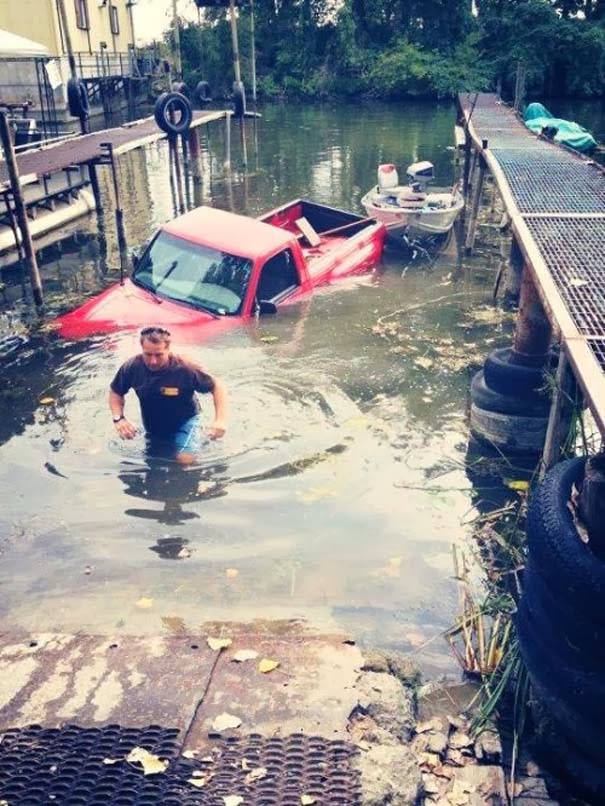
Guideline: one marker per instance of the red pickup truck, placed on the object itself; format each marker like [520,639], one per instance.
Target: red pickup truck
[209,265]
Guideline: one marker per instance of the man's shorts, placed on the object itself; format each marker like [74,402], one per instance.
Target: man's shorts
[185,440]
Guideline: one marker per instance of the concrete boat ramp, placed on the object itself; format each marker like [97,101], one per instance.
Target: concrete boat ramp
[269,713]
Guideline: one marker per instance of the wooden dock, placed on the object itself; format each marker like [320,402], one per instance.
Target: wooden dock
[86,148]
[556,202]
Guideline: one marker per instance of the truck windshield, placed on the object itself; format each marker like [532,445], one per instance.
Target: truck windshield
[198,275]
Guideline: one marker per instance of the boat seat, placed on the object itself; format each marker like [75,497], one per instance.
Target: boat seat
[307,230]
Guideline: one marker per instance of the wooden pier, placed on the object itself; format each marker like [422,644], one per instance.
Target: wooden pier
[555,199]
[86,148]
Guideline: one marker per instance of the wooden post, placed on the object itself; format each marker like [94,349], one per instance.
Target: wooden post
[591,504]
[228,140]
[561,411]
[84,127]
[177,173]
[196,169]
[177,42]
[253,51]
[472,224]
[122,244]
[234,42]
[20,211]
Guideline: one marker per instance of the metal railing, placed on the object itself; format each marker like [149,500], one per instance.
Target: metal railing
[103,64]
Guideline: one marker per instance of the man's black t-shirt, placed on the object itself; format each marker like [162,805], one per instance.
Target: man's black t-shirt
[167,396]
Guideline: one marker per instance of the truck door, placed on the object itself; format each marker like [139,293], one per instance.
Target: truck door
[278,278]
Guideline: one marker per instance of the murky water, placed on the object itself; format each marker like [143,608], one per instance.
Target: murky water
[341,485]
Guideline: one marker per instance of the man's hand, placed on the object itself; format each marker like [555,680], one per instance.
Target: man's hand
[125,429]
[217,429]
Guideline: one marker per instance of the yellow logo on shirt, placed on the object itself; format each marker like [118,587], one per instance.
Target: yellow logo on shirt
[169,391]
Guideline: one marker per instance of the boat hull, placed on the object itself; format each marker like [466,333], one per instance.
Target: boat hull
[435,217]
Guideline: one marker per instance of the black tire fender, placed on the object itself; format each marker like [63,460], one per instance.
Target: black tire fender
[513,379]
[203,92]
[554,544]
[77,98]
[489,400]
[239,99]
[168,105]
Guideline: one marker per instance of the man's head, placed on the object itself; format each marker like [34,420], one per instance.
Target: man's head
[155,347]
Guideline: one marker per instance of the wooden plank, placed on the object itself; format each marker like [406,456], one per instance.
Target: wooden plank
[307,230]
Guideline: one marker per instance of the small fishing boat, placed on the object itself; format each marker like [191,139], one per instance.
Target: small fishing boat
[411,209]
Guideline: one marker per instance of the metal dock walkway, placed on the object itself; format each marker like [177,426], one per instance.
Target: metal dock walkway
[556,201]
[87,147]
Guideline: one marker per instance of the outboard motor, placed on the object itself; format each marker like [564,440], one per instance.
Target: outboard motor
[420,174]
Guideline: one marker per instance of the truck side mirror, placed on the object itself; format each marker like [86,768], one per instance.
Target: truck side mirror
[264,306]
[135,260]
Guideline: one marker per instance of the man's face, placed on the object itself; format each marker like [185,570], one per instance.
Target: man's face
[155,354]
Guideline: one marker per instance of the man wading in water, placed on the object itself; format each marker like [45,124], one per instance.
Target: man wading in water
[166,385]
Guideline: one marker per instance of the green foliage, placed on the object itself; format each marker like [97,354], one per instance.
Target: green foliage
[403,48]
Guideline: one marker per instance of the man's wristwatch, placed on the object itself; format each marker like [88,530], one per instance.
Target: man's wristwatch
[117,418]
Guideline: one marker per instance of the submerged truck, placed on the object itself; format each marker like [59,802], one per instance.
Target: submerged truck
[211,265]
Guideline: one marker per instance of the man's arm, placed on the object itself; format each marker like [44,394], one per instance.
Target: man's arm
[219,397]
[125,429]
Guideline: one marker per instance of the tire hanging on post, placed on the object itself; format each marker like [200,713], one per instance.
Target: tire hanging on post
[173,113]
[77,99]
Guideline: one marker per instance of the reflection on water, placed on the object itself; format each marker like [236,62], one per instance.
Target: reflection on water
[341,483]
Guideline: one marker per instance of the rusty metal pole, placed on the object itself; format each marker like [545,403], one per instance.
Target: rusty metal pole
[122,244]
[20,212]
[84,127]
[533,332]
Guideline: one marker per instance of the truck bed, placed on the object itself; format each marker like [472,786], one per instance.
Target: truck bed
[323,220]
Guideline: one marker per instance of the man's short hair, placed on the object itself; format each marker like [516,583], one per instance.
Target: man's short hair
[155,334]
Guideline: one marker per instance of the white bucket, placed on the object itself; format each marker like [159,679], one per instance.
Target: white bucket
[387,177]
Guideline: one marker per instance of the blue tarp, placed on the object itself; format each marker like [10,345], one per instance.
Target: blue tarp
[537,118]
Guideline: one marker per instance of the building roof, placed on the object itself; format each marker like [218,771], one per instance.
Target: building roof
[13,46]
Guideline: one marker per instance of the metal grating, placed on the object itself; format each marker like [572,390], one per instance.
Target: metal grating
[542,155]
[557,187]
[597,347]
[69,767]
[573,251]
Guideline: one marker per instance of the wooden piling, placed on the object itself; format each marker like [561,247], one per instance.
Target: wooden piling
[561,412]
[122,243]
[472,224]
[533,331]
[228,141]
[20,211]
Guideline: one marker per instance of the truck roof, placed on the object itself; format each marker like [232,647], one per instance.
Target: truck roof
[230,232]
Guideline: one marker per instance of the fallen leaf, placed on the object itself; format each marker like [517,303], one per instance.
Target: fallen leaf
[307,800]
[46,401]
[257,774]
[189,754]
[184,553]
[245,654]
[145,603]
[175,624]
[576,282]
[152,765]
[316,493]
[111,760]
[267,665]
[226,721]
[218,643]
[197,782]
[231,573]
[520,485]
[232,800]
[205,487]
[425,363]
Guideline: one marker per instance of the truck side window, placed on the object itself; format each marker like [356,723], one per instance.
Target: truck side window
[279,274]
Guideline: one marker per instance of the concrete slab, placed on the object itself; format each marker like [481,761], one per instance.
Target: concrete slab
[55,679]
[312,691]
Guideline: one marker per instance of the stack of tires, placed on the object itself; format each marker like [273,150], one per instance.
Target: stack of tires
[510,404]
[561,630]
